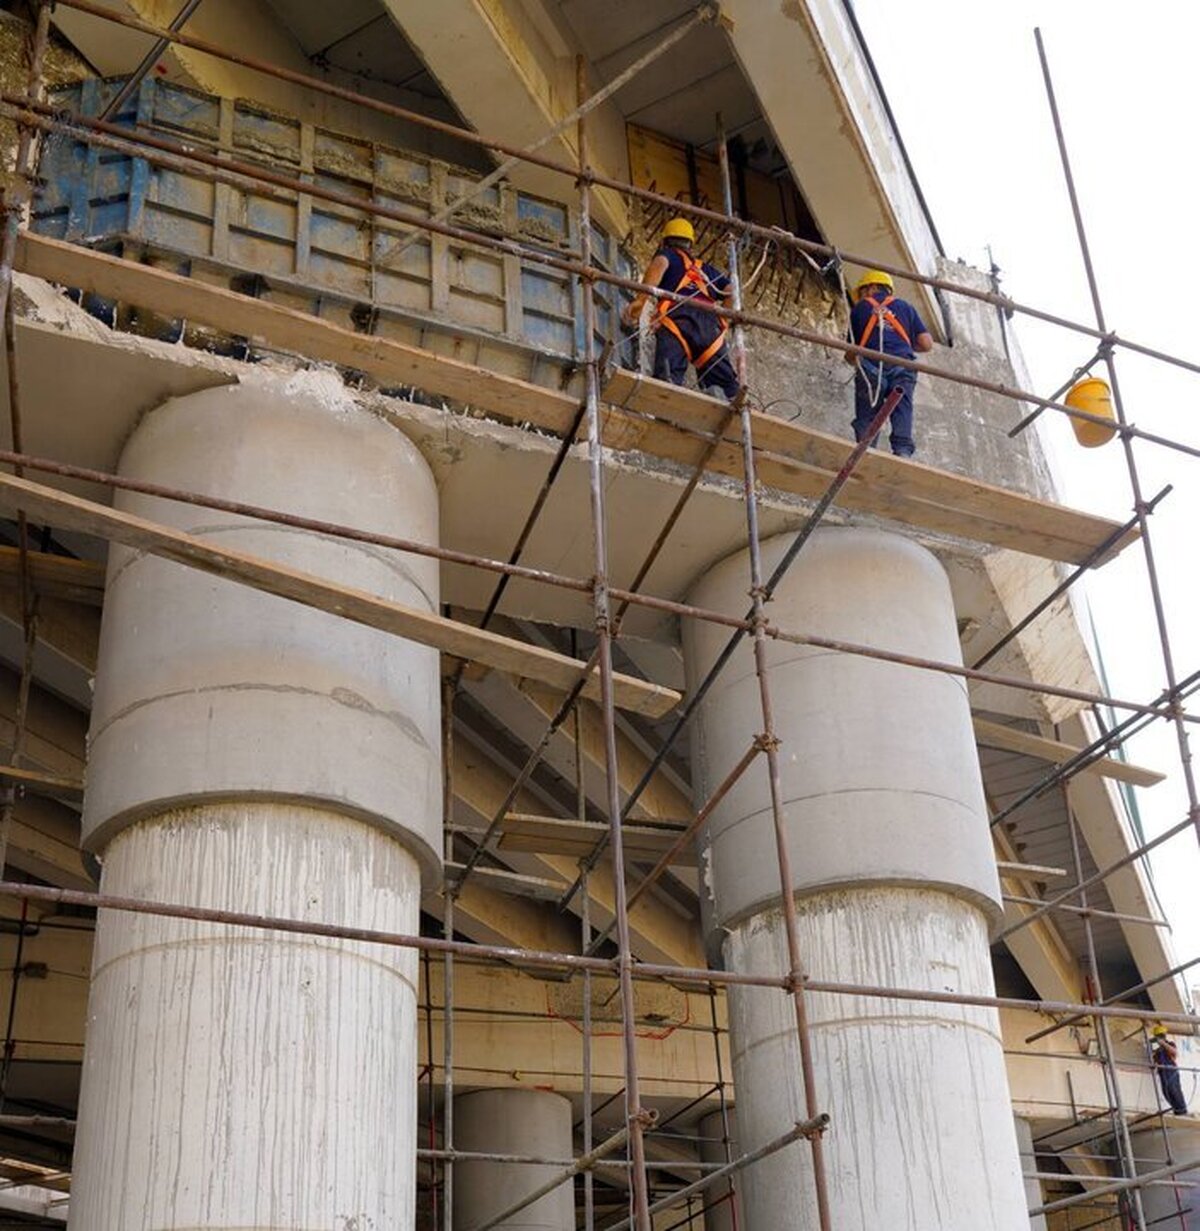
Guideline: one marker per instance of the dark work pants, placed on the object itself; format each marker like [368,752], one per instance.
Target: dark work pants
[870,392]
[1172,1089]
[700,329]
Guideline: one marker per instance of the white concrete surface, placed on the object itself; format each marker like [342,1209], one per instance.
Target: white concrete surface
[244,1079]
[250,754]
[880,771]
[896,885]
[1033,1187]
[207,689]
[531,1122]
[922,1136]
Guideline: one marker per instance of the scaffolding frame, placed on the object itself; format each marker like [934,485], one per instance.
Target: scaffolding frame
[34,117]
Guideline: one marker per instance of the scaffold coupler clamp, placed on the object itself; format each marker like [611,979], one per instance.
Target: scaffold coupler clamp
[817,1127]
[765,742]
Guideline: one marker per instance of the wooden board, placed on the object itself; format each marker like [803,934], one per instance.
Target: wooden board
[803,460]
[79,581]
[549,835]
[515,883]
[1009,739]
[791,458]
[451,636]
[392,363]
[38,783]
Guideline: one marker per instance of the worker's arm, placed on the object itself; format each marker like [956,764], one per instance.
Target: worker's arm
[652,277]
[924,343]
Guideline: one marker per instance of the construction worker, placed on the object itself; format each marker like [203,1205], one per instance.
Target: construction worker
[880,321]
[686,333]
[1164,1057]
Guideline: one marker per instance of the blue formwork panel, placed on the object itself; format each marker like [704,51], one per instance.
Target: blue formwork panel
[307,251]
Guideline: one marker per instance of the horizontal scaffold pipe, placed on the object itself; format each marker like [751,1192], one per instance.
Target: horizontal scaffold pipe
[574,173]
[545,959]
[548,577]
[223,169]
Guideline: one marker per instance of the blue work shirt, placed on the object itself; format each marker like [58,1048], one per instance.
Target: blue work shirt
[893,343]
[718,281]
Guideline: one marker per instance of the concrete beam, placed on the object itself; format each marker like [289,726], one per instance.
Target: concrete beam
[1105,829]
[525,711]
[1038,948]
[509,68]
[254,28]
[803,62]
[660,934]
[511,1028]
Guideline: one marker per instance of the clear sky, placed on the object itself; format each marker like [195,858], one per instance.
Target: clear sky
[964,82]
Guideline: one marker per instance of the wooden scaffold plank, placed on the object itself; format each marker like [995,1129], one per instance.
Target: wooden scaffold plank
[653,417]
[803,460]
[451,636]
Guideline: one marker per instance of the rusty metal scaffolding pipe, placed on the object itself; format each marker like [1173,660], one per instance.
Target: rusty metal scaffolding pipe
[1117,1186]
[1117,997]
[1096,877]
[811,1129]
[583,1163]
[650,971]
[1135,482]
[767,234]
[231,171]
[1063,586]
[636,1119]
[547,577]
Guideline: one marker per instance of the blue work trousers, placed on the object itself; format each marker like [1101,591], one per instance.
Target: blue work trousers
[870,392]
[700,328]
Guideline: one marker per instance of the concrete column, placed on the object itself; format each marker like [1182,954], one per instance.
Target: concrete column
[530,1122]
[712,1150]
[1168,1208]
[895,882]
[1033,1188]
[250,754]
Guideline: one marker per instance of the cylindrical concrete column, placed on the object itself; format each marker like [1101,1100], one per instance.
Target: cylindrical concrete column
[1168,1208]
[719,1202]
[534,1123]
[895,883]
[1028,1155]
[251,754]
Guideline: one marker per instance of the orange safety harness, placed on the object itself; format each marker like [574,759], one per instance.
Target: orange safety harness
[880,312]
[693,275]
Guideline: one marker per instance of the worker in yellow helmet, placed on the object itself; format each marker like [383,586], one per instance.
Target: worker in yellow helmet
[688,332]
[1165,1058]
[881,321]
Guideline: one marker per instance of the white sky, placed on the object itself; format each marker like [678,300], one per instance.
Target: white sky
[965,85]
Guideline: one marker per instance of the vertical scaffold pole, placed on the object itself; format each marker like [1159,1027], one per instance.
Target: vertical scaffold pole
[770,744]
[634,1116]
[1139,503]
[1121,1138]
[449,690]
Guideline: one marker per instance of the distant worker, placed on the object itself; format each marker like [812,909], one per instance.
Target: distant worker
[1165,1058]
[688,333]
[880,321]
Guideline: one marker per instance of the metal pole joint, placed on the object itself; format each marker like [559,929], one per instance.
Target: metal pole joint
[766,741]
[818,1126]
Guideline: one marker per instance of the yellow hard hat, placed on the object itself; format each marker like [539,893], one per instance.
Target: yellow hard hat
[874,277]
[679,228]
[1159,1031]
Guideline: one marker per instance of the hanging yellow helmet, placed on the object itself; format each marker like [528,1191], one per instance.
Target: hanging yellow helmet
[679,228]
[874,277]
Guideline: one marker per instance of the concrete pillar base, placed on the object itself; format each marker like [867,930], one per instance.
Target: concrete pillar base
[532,1122]
[233,1078]
[922,1133]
